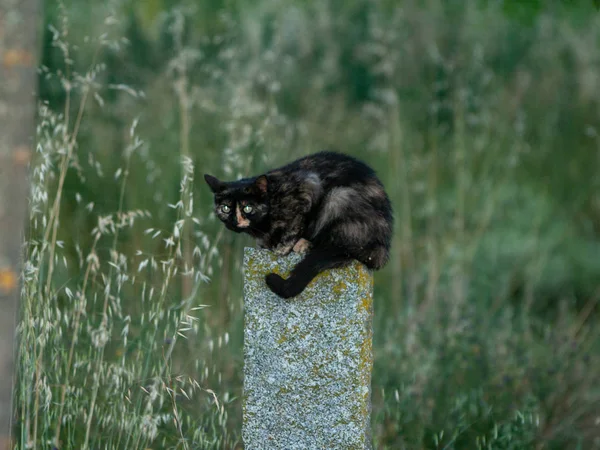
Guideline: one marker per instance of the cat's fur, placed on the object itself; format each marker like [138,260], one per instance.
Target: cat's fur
[331,200]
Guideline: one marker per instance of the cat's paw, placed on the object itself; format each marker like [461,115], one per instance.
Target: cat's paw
[261,244]
[282,250]
[301,246]
[279,286]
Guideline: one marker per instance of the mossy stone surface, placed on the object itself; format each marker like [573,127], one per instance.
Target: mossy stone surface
[307,360]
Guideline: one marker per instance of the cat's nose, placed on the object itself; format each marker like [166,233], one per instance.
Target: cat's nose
[241,221]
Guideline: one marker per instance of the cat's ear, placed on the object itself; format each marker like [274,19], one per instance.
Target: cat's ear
[261,184]
[215,185]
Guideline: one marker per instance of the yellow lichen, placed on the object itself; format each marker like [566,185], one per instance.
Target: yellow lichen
[339,288]
[285,336]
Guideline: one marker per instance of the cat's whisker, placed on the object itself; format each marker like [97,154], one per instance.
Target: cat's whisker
[257,230]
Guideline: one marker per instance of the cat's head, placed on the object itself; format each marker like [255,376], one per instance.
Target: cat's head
[241,205]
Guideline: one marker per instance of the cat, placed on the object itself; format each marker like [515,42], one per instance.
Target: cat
[329,206]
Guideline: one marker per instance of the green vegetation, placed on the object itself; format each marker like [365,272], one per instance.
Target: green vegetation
[481,118]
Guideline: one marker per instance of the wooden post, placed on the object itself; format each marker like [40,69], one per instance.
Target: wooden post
[307,360]
[18,61]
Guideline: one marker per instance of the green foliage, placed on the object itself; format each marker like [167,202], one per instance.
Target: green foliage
[480,117]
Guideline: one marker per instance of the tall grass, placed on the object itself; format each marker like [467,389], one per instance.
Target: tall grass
[482,128]
[96,364]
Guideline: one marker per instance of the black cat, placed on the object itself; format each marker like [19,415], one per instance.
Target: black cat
[329,205]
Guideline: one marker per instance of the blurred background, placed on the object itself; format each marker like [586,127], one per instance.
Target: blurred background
[482,120]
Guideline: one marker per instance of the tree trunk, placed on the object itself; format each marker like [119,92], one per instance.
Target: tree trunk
[18,81]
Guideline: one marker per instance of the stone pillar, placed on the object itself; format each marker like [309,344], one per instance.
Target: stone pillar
[307,360]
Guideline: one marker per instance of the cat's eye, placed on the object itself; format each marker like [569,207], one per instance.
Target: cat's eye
[225,209]
[247,209]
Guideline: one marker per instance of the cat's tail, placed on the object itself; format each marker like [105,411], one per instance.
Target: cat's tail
[313,263]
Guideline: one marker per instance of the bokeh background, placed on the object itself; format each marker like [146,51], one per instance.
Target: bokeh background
[482,120]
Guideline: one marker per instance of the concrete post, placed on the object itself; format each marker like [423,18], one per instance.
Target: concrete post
[307,360]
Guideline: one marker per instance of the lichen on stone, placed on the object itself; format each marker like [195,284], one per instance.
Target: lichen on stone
[307,360]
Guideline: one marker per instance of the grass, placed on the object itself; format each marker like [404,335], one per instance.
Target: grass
[486,318]
[96,366]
